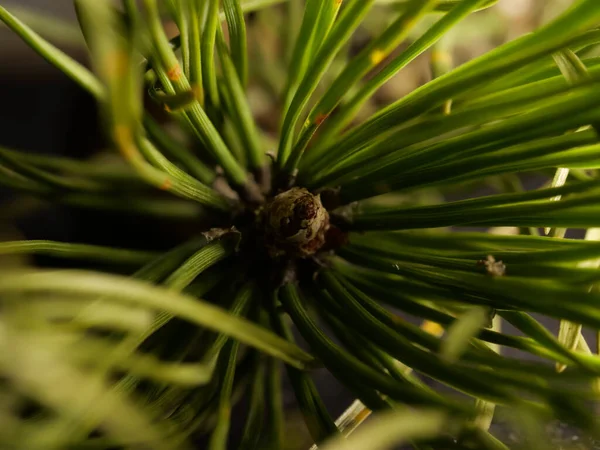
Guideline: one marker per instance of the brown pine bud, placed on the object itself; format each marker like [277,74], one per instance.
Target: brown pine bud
[295,223]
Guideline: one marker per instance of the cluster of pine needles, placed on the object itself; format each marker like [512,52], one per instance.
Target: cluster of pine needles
[401,291]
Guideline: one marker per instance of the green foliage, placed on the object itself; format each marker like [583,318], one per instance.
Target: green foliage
[94,359]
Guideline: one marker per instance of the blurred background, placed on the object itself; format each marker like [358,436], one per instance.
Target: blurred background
[44,112]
